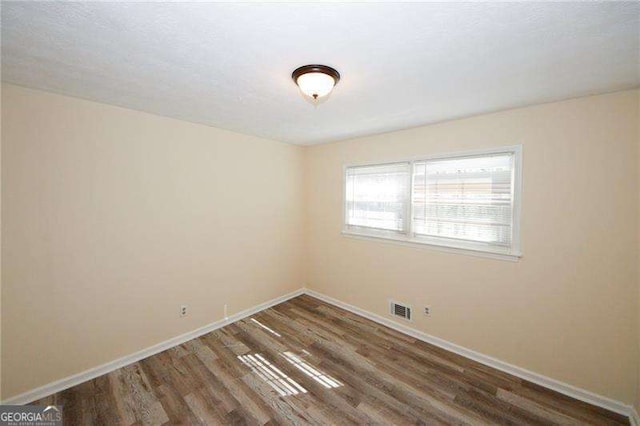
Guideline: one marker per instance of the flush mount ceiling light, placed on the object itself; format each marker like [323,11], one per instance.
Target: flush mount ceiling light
[315,81]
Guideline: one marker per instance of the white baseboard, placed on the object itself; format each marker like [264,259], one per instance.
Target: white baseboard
[92,373]
[564,388]
[547,382]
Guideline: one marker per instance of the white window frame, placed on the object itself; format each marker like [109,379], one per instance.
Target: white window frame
[405,237]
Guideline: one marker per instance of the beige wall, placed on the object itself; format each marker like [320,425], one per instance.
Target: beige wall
[113,218]
[568,308]
[637,405]
[0,244]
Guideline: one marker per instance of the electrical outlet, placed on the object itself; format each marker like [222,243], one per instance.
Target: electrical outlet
[427,310]
[183,310]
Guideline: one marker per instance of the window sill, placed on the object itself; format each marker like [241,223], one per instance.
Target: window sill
[511,257]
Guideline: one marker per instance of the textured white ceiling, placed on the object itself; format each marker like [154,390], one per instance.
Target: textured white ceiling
[402,65]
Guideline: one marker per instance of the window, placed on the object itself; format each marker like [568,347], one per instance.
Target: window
[467,201]
[377,197]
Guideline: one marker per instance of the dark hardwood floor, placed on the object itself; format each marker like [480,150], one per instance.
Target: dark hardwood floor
[307,362]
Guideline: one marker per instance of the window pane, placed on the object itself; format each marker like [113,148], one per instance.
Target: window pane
[376,196]
[467,198]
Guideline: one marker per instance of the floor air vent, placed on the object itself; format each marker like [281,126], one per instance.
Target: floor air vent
[402,311]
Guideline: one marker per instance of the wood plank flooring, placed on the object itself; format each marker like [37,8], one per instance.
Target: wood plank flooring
[308,362]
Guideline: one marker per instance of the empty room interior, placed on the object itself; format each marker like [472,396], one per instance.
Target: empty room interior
[320,213]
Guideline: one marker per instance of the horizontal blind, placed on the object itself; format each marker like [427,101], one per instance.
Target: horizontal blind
[377,196]
[466,198]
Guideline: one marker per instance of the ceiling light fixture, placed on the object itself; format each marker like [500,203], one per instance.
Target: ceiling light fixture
[315,81]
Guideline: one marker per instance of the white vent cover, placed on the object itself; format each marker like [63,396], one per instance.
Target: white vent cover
[400,310]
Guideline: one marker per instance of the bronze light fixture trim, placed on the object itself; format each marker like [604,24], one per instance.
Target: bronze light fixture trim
[315,81]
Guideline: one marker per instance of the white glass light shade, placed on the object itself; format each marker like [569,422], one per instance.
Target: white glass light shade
[315,84]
